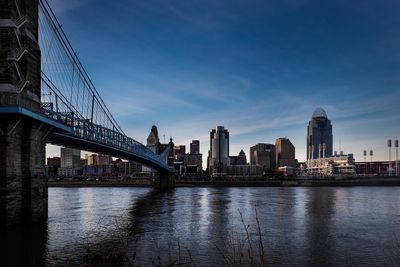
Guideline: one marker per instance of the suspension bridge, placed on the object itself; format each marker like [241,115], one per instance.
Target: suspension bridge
[46,96]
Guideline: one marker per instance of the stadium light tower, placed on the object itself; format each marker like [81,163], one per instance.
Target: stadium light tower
[390,156]
[396,145]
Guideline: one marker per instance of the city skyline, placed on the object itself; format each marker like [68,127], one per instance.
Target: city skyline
[259,82]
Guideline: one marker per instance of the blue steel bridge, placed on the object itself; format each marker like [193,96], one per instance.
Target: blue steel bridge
[69,102]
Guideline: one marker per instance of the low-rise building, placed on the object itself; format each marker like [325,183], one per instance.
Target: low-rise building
[53,164]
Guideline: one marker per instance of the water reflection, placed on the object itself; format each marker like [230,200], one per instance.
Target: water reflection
[300,226]
[320,209]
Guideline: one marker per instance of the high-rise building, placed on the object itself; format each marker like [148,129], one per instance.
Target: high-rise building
[263,155]
[153,140]
[179,151]
[70,158]
[71,163]
[219,150]
[319,136]
[195,147]
[285,153]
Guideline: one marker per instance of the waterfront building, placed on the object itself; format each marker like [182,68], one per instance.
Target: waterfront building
[129,168]
[319,136]
[97,159]
[53,164]
[285,153]
[191,165]
[343,164]
[219,150]
[263,155]
[71,163]
[100,170]
[244,171]
[195,147]
[70,157]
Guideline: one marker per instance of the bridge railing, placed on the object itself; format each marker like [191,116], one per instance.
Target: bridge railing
[56,108]
[69,96]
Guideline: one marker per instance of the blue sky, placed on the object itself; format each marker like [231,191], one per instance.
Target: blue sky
[259,68]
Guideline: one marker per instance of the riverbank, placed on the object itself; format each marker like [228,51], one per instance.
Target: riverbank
[301,181]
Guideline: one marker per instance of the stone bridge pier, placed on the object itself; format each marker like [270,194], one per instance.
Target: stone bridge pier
[23,188]
[164,181]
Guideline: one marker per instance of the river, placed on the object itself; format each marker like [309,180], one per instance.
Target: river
[299,226]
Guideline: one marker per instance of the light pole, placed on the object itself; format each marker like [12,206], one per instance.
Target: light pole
[365,162]
[390,156]
[371,153]
[396,145]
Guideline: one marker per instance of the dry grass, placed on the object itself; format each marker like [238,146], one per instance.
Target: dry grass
[244,248]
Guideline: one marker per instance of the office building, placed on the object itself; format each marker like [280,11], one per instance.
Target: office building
[191,165]
[219,150]
[179,151]
[263,155]
[319,136]
[195,147]
[285,153]
[70,157]
[71,163]
[129,168]
[240,159]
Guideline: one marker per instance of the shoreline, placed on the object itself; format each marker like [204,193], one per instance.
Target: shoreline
[353,181]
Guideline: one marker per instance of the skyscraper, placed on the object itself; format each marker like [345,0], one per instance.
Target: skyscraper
[285,153]
[219,150]
[153,140]
[319,136]
[195,147]
[70,158]
[263,155]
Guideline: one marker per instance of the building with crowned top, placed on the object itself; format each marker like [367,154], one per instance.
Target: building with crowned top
[153,143]
[319,136]
[153,140]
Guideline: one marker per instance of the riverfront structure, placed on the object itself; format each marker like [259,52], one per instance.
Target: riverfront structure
[319,136]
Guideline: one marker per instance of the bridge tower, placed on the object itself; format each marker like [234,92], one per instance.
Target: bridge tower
[23,187]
